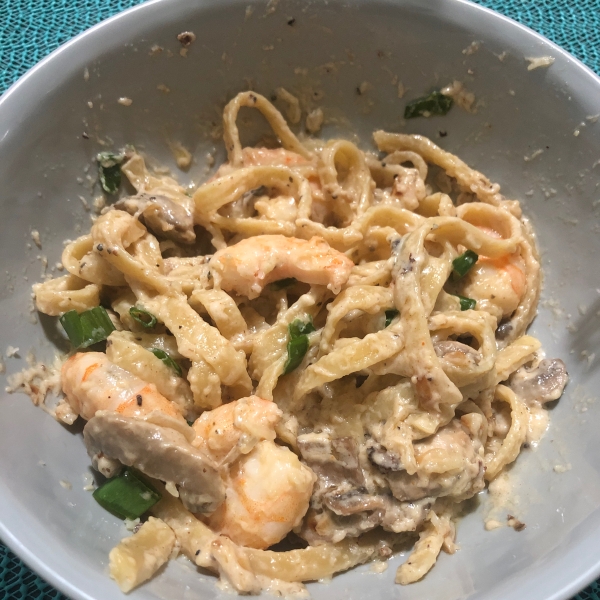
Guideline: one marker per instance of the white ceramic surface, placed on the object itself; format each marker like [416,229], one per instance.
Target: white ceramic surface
[63,534]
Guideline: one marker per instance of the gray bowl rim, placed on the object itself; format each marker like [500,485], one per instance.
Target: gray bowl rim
[10,539]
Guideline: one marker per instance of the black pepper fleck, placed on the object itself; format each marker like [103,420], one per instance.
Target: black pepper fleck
[99,247]
[443,133]
[139,399]
[291,22]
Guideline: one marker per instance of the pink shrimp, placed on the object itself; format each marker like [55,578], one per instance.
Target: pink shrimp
[248,266]
[497,284]
[92,383]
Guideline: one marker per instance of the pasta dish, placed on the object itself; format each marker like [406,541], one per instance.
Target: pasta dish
[320,344]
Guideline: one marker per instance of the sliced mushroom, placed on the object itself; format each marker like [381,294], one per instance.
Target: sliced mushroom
[542,383]
[334,460]
[164,216]
[158,452]
[382,458]
[456,352]
[354,501]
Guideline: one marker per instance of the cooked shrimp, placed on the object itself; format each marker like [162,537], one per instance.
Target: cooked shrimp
[92,383]
[497,284]
[267,494]
[249,265]
[232,429]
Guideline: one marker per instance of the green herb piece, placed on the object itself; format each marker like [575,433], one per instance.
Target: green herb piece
[298,345]
[143,317]
[283,283]
[298,328]
[390,315]
[167,360]
[296,348]
[434,104]
[109,171]
[466,303]
[87,328]
[463,263]
[126,496]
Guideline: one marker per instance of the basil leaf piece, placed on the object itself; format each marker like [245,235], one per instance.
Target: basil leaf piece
[298,344]
[298,328]
[296,348]
[434,104]
[109,171]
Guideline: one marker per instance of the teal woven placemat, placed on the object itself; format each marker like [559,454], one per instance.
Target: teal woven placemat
[30,29]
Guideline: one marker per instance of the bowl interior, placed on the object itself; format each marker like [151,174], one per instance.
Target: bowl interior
[324,51]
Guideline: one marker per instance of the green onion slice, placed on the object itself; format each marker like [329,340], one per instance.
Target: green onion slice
[390,315]
[463,263]
[296,348]
[143,317]
[126,496]
[109,171]
[298,328]
[167,360]
[434,104]
[283,283]
[298,344]
[87,328]
[466,303]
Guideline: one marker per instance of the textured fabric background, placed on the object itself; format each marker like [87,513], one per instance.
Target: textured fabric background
[30,29]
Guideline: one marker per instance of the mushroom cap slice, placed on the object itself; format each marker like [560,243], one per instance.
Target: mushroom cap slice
[158,452]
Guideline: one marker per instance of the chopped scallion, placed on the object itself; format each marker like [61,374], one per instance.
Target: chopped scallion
[87,328]
[434,104]
[126,496]
[298,344]
[109,171]
[390,315]
[283,283]
[296,348]
[466,303]
[143,317]
[167,360]
[298,328]
[463,263]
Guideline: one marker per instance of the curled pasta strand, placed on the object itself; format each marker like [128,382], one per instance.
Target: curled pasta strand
[511,445]
[350,358]
[58,296]
[369,299]
[424,555]
[467,177]
[276,121]
[196,339]
[215,194]
[80,259]
[346,178]
[114,233]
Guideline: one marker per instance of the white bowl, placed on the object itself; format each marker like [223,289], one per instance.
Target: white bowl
[63,534]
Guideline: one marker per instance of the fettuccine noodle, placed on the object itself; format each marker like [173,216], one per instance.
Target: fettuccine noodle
[342,376]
